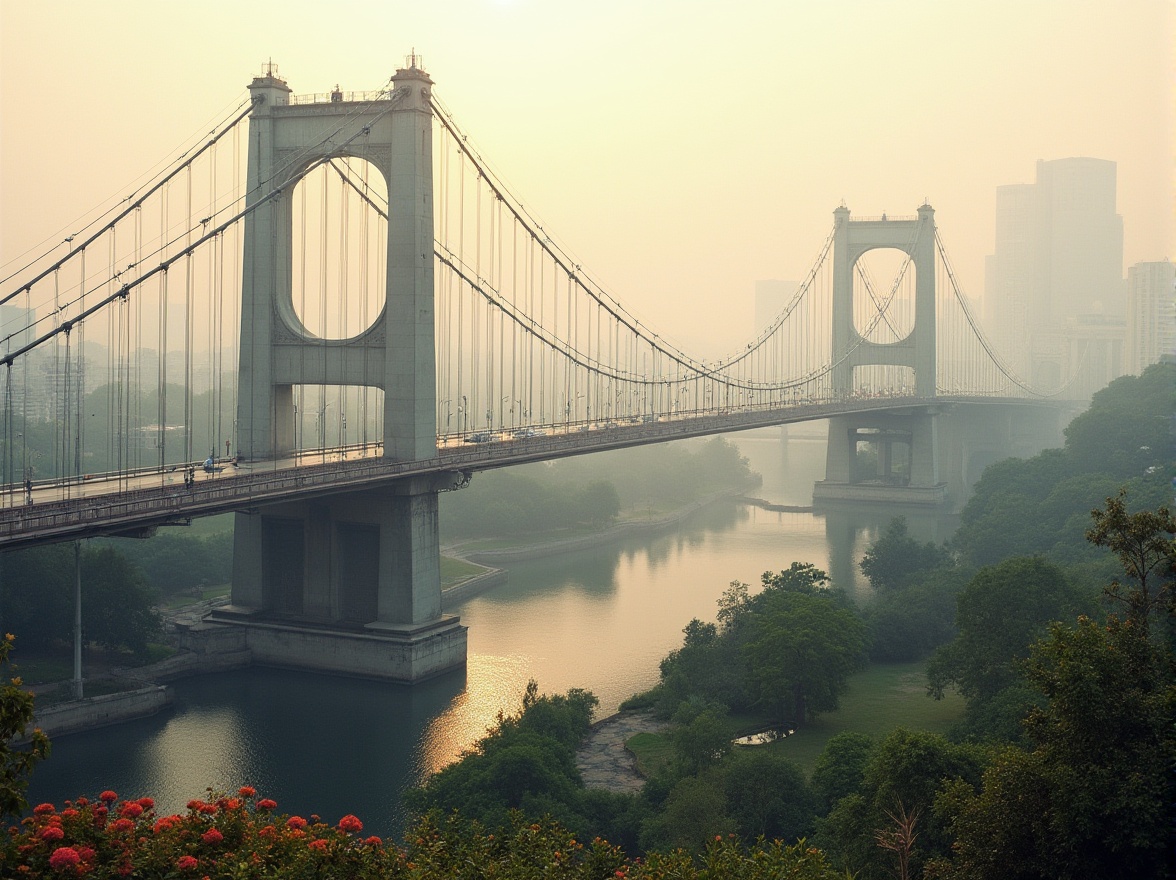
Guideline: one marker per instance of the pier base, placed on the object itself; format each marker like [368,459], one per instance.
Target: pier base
[402,654]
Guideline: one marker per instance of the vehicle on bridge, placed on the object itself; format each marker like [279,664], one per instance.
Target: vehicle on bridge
[481,437]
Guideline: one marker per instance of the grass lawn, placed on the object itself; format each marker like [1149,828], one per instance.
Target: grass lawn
[454,571]
[652,750]
[880,698]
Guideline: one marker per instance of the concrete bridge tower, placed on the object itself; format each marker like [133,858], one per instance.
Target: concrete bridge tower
[906,441]
[347,582]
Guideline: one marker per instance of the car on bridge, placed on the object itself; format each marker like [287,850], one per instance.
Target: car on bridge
[481,437]
[528,432]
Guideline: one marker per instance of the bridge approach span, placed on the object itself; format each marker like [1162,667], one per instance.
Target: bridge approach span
[134,505]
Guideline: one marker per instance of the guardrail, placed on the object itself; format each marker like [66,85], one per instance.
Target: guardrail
[126,509]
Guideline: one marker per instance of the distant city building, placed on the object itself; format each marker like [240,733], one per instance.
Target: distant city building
[16,327]
[771,296]
[1057,268]
[1151,314]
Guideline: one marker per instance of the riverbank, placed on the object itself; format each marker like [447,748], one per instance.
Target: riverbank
[551,546]
[227,651]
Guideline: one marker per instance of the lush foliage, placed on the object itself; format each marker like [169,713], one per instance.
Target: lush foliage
[37,598]
[245,839]
[526,762]
[1000,613]
[16,762]
[1090,798]
[1040,506]
[898,776]
[1090,793]
[786,651]
[174,563]
[896,559]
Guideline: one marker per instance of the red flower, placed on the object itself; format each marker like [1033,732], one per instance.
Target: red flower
[212,836]
[122,825]
[69,812]
[195,804]
[208,809]
[64,858]
[296,822]
[247,791]
[108,796]
[187,863]
[229,804]
[85,853]
[43,809]
[131,810]
[374,841]
[266,804]
[81,802]
[165,823]
[146,803]
[320,845]
[351,824]
[52,833]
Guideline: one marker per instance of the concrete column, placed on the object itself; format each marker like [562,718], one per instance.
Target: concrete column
[321,585]
[843,329]
[410,402]
[246,593]
[924,260]
[410,560]
[925,450]
[840,451]
[261,269]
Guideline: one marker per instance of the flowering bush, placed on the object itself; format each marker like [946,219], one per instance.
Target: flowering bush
[235,837]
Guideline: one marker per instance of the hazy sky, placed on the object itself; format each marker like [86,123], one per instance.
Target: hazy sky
[680,149]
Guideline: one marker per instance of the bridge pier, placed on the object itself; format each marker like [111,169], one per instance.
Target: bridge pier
[905,464]
[348,583]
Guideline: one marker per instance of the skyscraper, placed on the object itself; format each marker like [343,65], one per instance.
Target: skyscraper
[1151,314]
[1058,264]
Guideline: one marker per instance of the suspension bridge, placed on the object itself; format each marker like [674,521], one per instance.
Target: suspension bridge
[330,308]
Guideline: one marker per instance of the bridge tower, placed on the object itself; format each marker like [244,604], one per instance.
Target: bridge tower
[349,582]
[905,441]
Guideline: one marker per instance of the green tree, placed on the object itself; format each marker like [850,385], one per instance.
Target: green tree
[117,604]
[910,622]
[701,738]
[1090,798]
[16,761]
[1092,795]
[768,796]
[1000,613]
[896,558]
[1145,543]
[841,766]
[800,654]
[526,761]
[904,774]
[694,812]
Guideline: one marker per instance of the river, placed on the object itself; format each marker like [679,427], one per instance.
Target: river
[599,619]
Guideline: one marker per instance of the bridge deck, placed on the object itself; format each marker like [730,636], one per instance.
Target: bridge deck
[125,503]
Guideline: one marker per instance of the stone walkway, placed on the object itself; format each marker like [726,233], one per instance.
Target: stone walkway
[602,759]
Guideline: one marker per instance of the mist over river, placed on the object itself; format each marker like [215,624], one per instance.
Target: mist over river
[599,619]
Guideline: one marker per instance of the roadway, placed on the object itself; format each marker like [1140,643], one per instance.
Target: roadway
[138,501]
